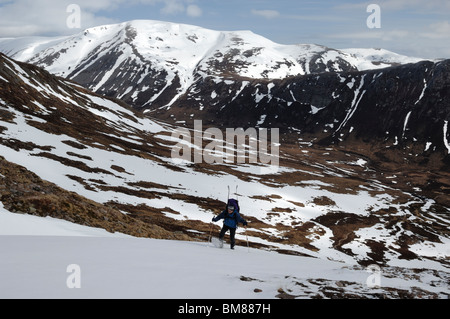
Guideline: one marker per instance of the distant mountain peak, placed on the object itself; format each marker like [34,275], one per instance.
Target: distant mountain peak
[150,62]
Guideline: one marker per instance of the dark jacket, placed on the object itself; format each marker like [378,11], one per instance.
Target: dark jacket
[230,220]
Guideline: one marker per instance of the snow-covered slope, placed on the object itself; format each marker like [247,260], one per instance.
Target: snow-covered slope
[61,260]
[148,62]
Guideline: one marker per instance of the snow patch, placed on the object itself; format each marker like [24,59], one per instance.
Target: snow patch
[446,142]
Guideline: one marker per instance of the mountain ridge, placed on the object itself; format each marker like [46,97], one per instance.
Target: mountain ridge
[147,62]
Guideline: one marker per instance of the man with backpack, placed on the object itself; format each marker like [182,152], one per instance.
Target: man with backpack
[231,218]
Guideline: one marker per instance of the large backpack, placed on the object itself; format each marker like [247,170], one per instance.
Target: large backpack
[233,202]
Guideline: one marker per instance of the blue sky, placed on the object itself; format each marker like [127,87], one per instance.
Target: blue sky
[412,27]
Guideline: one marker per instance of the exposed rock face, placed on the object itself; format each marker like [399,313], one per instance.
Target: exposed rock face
[405,106]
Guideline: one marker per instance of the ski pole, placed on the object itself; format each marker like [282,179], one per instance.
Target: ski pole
[210,231]
[248,248]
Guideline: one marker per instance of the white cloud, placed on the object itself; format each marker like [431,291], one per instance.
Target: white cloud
[173,7]
[438,30]
[40,17]
[194,11]
[407,42]
[48,17]
[436,6]
[268,14]
[392,35]
[418,5]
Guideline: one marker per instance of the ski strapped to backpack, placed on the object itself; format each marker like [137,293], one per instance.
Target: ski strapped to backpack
[230,202]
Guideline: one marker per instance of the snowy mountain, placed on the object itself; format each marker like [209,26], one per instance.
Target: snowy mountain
[150,64]
[71,154]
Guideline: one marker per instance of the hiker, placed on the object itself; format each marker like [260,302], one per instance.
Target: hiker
[231,218]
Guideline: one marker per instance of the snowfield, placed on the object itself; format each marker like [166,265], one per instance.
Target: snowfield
[50,258]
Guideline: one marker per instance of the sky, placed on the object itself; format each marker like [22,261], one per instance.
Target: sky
[418,28]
